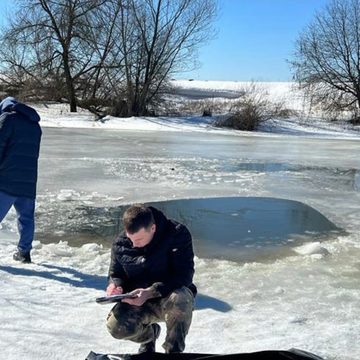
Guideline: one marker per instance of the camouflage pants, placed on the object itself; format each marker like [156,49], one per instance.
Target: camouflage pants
[133,323]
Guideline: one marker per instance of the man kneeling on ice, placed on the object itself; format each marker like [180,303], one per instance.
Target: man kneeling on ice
[154,260]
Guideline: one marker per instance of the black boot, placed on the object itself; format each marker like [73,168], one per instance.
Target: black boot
[149,347]
[22,257]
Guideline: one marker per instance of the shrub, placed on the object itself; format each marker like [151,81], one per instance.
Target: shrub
[244,109]
[246,118]
[251,109]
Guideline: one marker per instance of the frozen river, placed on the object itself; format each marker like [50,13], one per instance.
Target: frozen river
[87,168]
[290,204]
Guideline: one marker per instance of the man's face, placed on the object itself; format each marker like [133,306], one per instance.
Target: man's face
[142,237]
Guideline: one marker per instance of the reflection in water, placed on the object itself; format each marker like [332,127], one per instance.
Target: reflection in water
[231,228]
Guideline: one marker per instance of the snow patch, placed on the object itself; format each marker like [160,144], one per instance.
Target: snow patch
[312,249]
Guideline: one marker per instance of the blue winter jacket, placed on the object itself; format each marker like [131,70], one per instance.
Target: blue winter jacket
[20,136]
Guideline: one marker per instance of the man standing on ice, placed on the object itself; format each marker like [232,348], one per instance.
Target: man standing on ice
[154,260]
[20,136]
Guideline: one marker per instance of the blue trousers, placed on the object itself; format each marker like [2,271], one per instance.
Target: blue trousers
[25,209]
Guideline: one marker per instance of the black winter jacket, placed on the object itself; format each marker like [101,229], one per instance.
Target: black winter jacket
[165,264]
[20,136]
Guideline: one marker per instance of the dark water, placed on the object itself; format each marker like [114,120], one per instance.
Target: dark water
[231,228]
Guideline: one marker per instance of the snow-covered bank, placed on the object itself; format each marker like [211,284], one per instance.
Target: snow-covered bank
[58,115]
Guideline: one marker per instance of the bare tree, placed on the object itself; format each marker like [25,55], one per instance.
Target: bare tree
[115,54]
[48,39]
[25,61]
[159,38]
[99,87]
[327,57]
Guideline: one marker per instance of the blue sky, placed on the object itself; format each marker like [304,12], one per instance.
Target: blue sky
[5,8]
[254,39]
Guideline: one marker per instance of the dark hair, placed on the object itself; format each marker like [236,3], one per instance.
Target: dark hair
[137,217]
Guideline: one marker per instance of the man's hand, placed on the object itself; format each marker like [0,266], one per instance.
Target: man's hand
[140,297]
[112,289]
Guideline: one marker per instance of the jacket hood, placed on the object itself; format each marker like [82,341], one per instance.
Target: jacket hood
[7,103]
[10,104]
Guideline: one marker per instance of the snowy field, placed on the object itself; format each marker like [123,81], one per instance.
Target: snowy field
[308,299]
